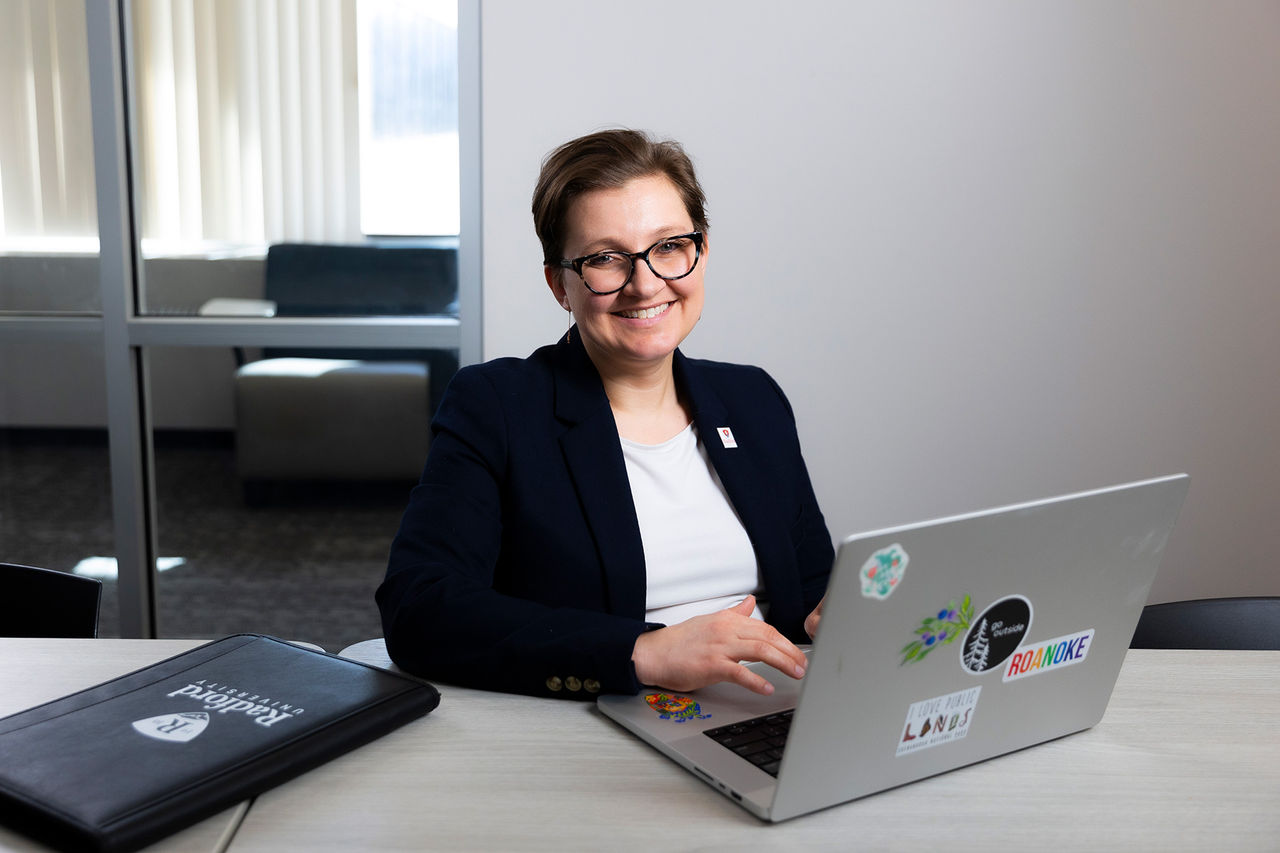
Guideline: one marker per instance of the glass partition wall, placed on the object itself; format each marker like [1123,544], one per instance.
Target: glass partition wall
[55,486]
[263,362]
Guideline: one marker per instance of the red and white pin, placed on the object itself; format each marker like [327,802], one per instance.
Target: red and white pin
[726,437]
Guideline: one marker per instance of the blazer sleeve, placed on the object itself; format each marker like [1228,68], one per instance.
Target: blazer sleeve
[441,615]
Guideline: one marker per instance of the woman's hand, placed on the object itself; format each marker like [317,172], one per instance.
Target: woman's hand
[811,621]
[709,649]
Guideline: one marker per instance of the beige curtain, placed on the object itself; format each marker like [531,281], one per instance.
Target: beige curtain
[247,120]
[46,142]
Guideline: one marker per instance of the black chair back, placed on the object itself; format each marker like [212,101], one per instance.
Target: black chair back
[321,280]
[44,603]
[1210,623]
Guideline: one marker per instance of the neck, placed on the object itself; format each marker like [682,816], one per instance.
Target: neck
[645,402]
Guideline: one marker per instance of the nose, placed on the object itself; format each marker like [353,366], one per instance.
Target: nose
[644,282]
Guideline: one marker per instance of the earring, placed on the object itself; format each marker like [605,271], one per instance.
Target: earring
[568,335]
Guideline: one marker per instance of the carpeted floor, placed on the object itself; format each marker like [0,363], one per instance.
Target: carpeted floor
[304,566]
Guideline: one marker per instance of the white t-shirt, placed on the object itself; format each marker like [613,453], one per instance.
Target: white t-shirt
[698,558]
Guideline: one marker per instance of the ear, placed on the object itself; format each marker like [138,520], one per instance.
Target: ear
[555,281]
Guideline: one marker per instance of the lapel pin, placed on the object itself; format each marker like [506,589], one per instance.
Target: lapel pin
[726,437]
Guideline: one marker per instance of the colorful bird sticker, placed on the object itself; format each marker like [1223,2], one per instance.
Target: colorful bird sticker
[678,709]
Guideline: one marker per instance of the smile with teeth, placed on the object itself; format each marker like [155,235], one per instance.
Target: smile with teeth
[644,313]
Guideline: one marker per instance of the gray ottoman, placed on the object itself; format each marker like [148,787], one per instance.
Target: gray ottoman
[331,419]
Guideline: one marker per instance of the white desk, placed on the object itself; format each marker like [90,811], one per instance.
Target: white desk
[34,671]
[1187,758]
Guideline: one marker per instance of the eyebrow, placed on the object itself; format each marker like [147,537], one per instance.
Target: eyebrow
[612,243]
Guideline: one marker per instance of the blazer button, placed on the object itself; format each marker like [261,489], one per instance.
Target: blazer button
[573,683]
[591,685]
[554,684]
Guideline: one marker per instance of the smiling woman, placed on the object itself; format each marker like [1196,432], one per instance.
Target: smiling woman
[636,315]
[609,513]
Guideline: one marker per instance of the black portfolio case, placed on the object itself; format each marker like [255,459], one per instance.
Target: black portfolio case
[129,761]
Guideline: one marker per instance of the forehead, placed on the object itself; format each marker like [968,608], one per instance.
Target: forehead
[642,209]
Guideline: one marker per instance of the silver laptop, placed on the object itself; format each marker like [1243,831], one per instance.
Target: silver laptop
[941,644]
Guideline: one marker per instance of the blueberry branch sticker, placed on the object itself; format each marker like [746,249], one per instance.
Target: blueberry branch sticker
[939,630]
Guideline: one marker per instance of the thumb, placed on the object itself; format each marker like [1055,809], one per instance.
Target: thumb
[746,607]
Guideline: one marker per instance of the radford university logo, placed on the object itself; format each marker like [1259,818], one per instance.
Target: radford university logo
[175,728]
[224,700]
[219,699]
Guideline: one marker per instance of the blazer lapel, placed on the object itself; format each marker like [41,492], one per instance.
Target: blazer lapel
[743,480]
[593,456]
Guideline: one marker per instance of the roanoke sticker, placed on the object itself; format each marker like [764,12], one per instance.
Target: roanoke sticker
[882,572]
[940,720]
[1058,653]
[995,635]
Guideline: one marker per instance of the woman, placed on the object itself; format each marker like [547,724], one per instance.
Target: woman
[606,513]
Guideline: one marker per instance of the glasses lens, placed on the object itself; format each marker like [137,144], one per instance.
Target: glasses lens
[606,271]
[673,257]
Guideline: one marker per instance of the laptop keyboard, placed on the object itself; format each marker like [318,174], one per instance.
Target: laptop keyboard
[759,740]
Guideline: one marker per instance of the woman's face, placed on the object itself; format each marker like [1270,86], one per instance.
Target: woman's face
[630,218]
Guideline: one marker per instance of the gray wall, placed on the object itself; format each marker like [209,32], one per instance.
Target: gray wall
[992,250]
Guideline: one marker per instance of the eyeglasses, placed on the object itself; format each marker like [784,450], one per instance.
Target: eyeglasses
[608,272]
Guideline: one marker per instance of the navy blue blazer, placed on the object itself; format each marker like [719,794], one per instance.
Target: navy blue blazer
[518,565]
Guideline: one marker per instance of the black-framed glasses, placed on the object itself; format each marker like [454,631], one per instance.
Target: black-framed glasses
[608,272]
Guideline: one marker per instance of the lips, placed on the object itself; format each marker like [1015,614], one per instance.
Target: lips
[644,313]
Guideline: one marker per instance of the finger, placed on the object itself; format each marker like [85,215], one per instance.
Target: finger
[778,658]
[752,681]
[746,606]
[811,624]
[766,633]
[763,642]
[811,621]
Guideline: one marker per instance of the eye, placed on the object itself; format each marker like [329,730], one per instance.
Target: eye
[672,245]
[604,261]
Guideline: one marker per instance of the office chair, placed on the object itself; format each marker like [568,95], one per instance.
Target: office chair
[342,414]
[44,603]
[1210,623]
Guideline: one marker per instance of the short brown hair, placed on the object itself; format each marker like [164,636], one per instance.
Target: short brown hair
[607,159]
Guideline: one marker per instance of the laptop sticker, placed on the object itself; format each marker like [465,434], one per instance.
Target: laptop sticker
[882,572]
[677,709]
[940,720]
[995,635]
[1055,654]
[939,629]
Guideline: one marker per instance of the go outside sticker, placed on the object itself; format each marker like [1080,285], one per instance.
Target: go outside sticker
[995,635]
[883,570]
[939,720]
